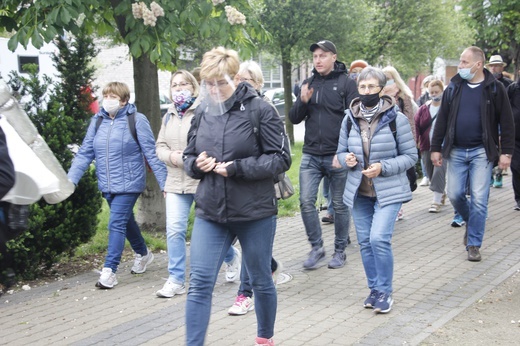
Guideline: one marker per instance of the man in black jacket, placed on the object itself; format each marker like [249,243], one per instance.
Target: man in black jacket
[322,103]
[474,107]
[513,92]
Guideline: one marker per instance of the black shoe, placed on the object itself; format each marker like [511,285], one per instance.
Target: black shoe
[328,218]
[474,254]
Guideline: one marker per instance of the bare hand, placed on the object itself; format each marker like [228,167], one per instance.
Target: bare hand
[504,162]
[436,159]
[220,168]
[372,171]
[205,163]
[351,160]
[335,162]
[306,93]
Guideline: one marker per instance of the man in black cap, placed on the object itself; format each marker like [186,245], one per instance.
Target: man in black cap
[322,103]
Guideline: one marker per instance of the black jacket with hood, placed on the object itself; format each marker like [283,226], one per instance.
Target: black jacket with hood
[495,113]
[325,110]
[248,192]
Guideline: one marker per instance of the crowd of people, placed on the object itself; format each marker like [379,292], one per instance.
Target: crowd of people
[222,145]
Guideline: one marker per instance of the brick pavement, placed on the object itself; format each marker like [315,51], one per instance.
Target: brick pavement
[433,283]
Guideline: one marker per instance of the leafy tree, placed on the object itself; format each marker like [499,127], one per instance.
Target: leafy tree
[294,25]
[60,115]
[153,34]
[497,27]
[410,34]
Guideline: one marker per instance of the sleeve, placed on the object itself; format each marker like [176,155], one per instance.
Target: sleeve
[506,122]
[147,144]
[298,111]
[406,150]
[441,122]
[343,150]
[190,154]
[85,154]
[276,153]
[7,175]
[162,148]
[351,92]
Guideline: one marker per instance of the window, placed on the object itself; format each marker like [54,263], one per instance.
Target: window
[24,60]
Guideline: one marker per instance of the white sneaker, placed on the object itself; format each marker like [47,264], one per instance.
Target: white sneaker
[170,289]
[234,267]
[140,262]
[242,305]
[107,279]
[277,272]
[424,182]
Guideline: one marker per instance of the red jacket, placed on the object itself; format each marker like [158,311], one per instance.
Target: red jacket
[423,124]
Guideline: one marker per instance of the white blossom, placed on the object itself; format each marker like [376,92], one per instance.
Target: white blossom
[234,16]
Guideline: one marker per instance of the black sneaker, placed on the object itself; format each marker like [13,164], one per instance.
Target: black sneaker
[328,219]
[474,254]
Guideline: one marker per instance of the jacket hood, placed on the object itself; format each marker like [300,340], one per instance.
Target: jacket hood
[488,78]
[339,68]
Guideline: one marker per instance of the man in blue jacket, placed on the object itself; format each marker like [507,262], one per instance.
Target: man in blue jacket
[474,107]
[322,103]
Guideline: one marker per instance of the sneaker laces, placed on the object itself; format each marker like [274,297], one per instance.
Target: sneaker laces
[240,299]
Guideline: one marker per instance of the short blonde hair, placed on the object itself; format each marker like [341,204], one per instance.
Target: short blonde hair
[254,70]
[436,82]
[189,78]
[117,88]
[219,62]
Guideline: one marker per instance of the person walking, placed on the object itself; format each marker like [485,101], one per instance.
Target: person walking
[376,145]
[474,108]
[121,173]
[322,103]
[513,93]
[424,122]
[180,189]
[235,197]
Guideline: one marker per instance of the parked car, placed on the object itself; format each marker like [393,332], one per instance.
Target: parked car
[278,99]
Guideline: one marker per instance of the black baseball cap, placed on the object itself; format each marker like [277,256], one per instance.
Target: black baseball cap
[325,45]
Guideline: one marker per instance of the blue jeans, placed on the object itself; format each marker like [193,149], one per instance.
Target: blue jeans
[312,169]
[178,208]
[209,243]
[326,195]
[122,225]
[374,229]
[472,164]
[245,287]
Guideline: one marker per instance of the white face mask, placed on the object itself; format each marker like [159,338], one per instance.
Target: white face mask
[111,106]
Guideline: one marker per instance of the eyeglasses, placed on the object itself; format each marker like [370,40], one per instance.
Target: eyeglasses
[247,80]
[370,88]
[219,84]
[183,84]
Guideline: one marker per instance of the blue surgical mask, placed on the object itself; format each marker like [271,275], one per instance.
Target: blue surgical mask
[465,73]
[390,82]
[353,75]
[437,98]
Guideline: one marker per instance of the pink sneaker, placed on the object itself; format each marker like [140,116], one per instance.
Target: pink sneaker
[263,341]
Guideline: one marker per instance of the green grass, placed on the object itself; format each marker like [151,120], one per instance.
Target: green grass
[157,240]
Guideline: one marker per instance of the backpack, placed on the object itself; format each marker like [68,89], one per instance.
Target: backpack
[411,174]
[282,184]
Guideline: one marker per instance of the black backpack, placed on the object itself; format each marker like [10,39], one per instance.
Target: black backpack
[411,174]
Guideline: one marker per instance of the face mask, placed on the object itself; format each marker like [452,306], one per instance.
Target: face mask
[437,98]
[497,75]
[354,76]
[111,105]
[180,97]
[370,100]
[389,82]
[465,73]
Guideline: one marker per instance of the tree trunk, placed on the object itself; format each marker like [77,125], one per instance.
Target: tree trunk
[151,212]
[287,84]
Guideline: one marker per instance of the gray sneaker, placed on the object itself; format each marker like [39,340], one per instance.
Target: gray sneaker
[140,262]
[338,260]
[315,256]
[474,254]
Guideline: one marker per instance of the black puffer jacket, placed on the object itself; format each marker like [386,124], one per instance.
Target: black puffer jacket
[325,110]
[248,194]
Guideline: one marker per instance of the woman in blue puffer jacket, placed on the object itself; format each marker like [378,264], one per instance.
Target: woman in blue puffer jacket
[377,185]
[121,172]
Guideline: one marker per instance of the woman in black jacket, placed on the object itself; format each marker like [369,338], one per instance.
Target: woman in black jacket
[236,147]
